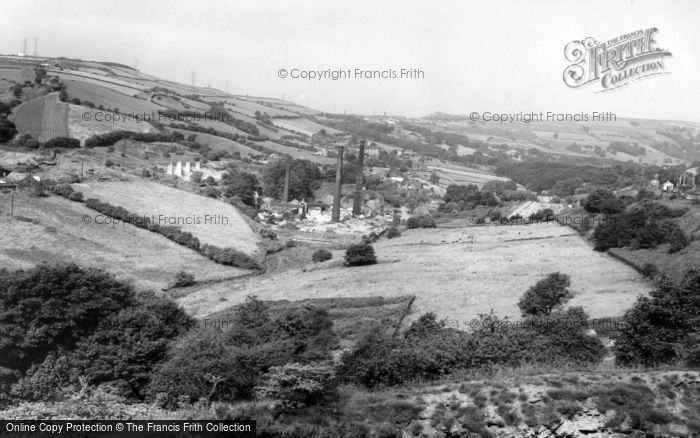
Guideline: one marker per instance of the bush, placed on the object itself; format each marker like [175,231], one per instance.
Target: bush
[677,240]
[660,327]
[221,373]
[128,346]
[427,221]
[296,385]
[64,190]
[359,255]
[393,232]
[113,137]
[650,270]
[76,196]
[228,364]
[184,279]
[268,234]
[412,222]
[62,142]
[321,255]
[546,295]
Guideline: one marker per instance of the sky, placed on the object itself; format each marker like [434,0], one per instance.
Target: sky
[496,56]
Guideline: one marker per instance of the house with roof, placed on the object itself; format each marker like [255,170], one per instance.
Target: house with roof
[667,186]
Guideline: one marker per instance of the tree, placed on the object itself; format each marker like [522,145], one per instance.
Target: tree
[596,201]
[17,91]
[360,254]
[304,178]
[7,130]
[434,178]
[677,239]
[546,295]
[662,327]
[241,184]
[127,346]
[52,307]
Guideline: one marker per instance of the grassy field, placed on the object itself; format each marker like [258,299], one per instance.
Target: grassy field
[53,230]
[301,154]
[100,95]
[303,126]
[219,143]
[197,214]
[43,118]
[100,122]
[452,276]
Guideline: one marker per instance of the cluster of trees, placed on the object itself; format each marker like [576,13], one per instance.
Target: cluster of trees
[663,328]
[645,225]
[304,178]
[630,148]
[65,326]
[468,196]
[244,140]
[256,349]
[110,138]
[239,184]
[544,175]
[430,349]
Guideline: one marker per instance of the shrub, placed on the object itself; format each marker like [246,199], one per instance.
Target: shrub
[658,329]
[268,234]
[650,270]
[294,385]
[62,142]
[427,221]
[677,239]
[54,306]
[184,279]
[64,190]
[393,232]
[76,196]
[359,255]
[321,255]
[412,222]
[221,373]
[546,295]
[127,346]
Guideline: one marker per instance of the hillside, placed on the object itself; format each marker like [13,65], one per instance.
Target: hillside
[53,229]
[489,268]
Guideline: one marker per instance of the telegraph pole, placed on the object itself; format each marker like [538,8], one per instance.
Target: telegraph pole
[12,207]
[335,217]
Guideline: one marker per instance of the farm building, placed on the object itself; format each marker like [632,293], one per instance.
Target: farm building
[667,186]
